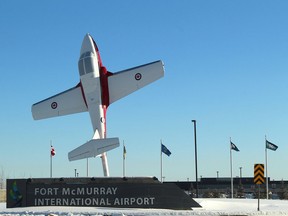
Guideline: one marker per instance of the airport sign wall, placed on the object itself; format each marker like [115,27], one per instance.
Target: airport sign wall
[98,192]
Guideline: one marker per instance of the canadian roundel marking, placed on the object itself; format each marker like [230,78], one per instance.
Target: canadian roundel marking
[54,105]
[102,120]
[138,76]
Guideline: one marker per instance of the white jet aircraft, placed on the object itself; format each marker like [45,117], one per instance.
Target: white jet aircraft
[97,89]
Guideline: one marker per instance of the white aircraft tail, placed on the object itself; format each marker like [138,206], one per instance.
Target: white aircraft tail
[93,148]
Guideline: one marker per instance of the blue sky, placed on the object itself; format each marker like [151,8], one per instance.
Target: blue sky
[225,66]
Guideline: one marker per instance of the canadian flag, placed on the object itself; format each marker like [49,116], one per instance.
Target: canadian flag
[53,152]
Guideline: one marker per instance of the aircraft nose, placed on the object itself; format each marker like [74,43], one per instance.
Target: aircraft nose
[87,45]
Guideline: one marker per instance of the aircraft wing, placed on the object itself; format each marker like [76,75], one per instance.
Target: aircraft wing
[67,102]
[125,82]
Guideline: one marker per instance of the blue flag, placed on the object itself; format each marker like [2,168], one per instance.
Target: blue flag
[271,146]
[165,150]
[234,147]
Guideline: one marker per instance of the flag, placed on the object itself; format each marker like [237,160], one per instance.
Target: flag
[271,146]
[124,152]
[165,150]
[52,152]
[234,147]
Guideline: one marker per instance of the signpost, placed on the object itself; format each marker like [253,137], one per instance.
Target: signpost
[259,179]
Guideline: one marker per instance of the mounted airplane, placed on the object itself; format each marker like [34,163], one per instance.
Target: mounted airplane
[97,89]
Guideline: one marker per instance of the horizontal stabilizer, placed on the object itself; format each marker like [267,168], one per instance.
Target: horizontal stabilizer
[93,148]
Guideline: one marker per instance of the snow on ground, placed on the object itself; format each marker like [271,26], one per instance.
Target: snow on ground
[220,207]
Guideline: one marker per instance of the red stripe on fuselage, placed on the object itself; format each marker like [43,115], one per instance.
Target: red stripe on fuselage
[104,74]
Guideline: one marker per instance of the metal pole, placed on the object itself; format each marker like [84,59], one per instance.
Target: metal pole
[196,166]
[161,161]
[258,209]
[124,159]
[240,175]
[50,165]
[87,167]
[50,159]
[266,164]
[124,166]
[231,170]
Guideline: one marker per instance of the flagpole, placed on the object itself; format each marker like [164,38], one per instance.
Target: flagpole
[266,162]
[50,159]
[161,168]
[87,168]
[123,159]
[231,169]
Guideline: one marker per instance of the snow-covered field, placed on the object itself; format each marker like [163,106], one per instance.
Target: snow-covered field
[210,207]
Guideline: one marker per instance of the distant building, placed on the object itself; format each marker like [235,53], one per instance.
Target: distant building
[243,188]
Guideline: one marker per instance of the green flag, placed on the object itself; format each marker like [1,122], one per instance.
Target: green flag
[124,152]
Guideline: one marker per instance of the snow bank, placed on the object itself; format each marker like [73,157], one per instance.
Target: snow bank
[213,207]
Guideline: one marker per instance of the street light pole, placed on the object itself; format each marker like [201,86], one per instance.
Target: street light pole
[196,166]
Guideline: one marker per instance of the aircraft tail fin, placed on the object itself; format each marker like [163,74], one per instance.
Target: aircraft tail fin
[93,148]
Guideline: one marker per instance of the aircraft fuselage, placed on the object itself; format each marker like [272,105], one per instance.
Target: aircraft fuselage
[90,69]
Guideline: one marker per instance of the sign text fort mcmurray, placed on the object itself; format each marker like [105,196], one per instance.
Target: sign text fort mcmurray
[90,197]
